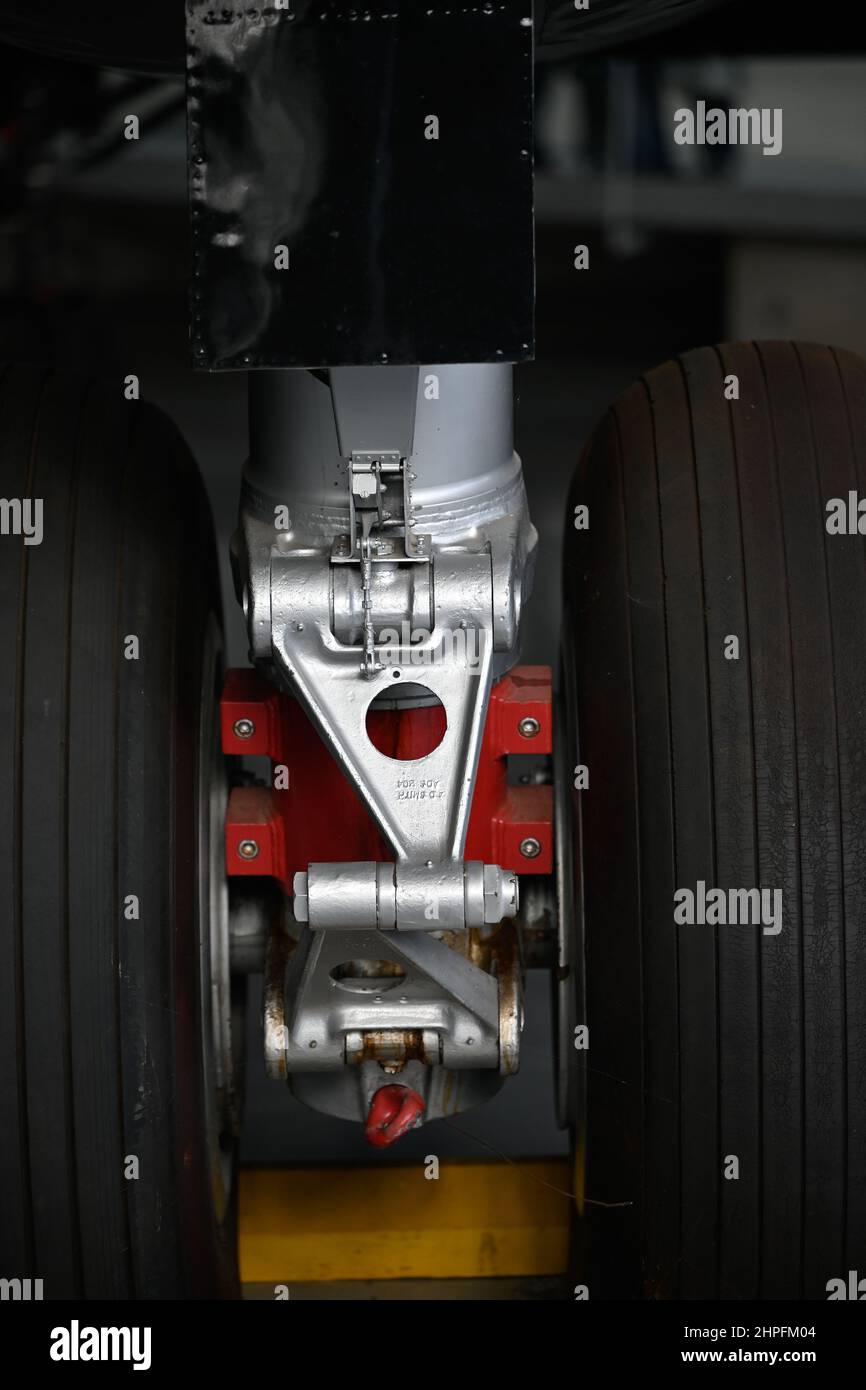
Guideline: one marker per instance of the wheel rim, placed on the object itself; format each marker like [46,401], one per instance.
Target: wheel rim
[570,981]
[220,1097]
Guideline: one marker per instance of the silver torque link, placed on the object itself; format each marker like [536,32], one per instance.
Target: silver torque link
[334,683]
[383,557]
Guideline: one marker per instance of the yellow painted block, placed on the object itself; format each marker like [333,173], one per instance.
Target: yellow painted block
[476,1220]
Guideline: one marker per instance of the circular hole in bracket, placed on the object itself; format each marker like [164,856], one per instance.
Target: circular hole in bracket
[409,727]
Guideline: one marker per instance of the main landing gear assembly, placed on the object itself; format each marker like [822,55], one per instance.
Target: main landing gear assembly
[390,876]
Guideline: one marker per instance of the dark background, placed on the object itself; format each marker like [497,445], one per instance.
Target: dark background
[687,247]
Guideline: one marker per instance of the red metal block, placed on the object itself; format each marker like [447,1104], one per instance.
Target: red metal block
[246,696]
[318,818]
[254,821]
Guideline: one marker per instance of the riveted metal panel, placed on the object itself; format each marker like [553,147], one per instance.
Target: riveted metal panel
[310,129]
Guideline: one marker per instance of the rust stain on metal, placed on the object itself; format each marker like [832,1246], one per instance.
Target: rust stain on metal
[391,1049]
[505,949]
[498,952]
[279,950]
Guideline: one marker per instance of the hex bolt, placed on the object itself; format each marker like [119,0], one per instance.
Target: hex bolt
[501,894]
[302,902]
[248,849]
[530,848]
[244,728]
[529,727]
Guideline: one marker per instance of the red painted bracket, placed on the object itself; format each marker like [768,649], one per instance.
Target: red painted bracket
[318,818]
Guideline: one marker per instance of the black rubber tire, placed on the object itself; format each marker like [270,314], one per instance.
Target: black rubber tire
[101,1051]
[707,518]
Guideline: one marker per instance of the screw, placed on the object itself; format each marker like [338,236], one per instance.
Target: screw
[244,728]
[529,727]
[530,848]
[248,849]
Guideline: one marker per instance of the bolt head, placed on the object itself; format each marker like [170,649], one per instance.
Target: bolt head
[530,848]
[248,849]
[244,728]
[500,894]
[529,727]
[300,885]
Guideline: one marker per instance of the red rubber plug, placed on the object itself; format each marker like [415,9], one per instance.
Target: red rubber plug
[394,1110]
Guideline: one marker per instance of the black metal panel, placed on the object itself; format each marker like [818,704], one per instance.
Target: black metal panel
[307,130]
[148,37]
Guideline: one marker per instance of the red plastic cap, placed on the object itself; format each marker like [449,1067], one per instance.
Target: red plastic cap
[394,1110]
